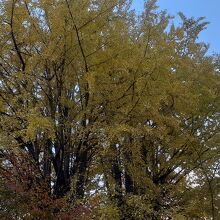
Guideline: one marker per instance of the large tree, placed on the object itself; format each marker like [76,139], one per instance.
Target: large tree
[106,114]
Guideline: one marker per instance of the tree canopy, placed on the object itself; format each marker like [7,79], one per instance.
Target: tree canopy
[106,114]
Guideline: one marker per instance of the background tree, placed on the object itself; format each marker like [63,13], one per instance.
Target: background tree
[104,113]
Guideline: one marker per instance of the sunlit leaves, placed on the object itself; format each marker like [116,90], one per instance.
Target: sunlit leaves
[114,111]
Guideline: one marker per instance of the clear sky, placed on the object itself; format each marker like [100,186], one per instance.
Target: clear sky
[195,8]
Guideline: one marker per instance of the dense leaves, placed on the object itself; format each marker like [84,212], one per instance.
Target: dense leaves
[105,114]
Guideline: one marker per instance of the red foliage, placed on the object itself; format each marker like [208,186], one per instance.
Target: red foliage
[29,195]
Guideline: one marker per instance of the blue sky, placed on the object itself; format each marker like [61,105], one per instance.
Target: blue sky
[195,8]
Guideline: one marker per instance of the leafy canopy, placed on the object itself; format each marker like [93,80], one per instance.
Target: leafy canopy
[105,113]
